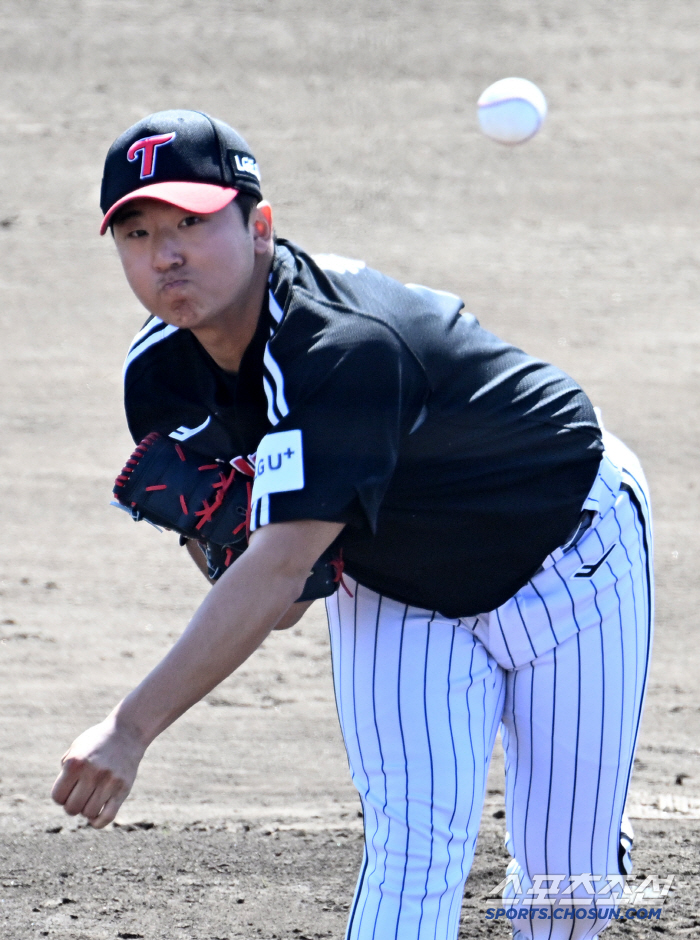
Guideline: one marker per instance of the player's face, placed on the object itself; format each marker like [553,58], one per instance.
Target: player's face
[193,271]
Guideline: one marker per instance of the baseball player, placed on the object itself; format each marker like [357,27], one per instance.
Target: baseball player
[492,543]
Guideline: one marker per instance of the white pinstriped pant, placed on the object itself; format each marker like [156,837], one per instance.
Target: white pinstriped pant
[561,666]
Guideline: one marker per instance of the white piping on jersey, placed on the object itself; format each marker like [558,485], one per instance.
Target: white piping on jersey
[270,395]
[277,403]
[275,310]
[145,330]
[151,341]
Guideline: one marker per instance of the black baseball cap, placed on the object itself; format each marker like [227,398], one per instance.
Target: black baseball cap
[185,158]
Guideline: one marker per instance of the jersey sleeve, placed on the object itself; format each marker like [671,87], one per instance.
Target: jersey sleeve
[339,412]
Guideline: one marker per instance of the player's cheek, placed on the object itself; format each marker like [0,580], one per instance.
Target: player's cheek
[140,275]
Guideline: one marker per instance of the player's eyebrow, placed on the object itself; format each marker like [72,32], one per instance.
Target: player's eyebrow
[126,215]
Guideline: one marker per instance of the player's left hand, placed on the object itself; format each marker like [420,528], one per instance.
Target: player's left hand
[98,771]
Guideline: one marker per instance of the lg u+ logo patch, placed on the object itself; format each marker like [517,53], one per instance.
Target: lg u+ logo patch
[279,464]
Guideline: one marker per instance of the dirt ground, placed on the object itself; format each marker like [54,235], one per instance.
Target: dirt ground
[581,246]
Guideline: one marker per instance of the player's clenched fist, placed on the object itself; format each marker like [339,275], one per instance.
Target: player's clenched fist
[98,771]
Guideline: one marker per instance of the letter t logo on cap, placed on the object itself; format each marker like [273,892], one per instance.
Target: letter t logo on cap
[148,147]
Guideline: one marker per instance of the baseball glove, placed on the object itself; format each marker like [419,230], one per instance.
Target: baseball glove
[173,488]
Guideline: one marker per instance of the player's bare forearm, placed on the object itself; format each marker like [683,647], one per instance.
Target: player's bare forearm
[292,616]
[232,621]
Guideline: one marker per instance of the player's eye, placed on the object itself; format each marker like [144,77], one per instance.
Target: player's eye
[190,220]
[137,233]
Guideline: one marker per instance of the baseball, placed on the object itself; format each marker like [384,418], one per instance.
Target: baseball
[511,110]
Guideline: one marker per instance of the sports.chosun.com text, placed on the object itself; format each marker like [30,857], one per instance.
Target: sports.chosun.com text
[570,913]
[579,897]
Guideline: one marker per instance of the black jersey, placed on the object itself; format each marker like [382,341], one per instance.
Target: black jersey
[457,461]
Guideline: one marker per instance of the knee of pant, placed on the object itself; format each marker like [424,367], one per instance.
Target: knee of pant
[428,823]
[414,847]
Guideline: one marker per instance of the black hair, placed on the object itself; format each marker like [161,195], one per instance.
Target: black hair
[246,203]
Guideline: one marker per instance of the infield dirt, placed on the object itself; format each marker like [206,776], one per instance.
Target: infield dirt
[582,247]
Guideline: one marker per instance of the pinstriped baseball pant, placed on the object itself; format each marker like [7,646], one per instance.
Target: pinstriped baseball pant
[561,667]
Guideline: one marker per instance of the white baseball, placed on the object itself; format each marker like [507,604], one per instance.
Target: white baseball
[511,110]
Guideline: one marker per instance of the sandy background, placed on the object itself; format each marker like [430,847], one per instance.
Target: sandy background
[581,246]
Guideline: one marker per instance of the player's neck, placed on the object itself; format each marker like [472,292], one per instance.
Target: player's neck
[228,337]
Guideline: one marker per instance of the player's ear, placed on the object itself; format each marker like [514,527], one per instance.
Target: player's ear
[262,226]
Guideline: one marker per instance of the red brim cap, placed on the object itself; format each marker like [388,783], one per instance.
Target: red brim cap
[194,197]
